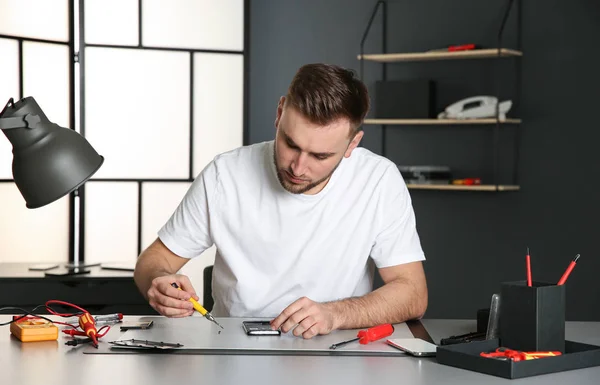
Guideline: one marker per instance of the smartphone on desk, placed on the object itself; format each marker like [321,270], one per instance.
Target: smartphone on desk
[414,346]
[259,328]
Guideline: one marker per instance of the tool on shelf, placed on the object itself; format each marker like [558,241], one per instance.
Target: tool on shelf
[467,181]
[457,47]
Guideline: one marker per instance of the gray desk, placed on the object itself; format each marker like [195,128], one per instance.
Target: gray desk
[52,363]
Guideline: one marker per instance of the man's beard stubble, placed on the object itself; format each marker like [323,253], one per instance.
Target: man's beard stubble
[297,189]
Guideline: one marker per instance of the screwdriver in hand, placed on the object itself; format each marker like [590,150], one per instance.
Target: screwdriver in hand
[369,335]
[199,308]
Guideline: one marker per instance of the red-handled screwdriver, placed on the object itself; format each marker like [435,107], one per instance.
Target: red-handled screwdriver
[566,274]
[369,335]
[528,266]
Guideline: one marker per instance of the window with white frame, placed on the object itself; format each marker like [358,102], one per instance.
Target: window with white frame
[160,91]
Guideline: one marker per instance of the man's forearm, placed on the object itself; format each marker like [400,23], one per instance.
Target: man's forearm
[397,301]
[146,270]
[151,264]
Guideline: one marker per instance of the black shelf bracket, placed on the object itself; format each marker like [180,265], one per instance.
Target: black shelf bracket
[383,6]
[509,7]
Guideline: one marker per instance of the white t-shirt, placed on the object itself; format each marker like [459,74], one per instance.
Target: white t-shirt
[274,247]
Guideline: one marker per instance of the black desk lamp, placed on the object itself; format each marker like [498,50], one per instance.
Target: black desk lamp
[49,161]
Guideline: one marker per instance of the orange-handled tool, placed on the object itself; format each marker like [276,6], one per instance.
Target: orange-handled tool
[534,355]
[369,335]
[87,324]
[515,355]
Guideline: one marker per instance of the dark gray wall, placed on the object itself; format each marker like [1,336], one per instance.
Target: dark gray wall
[473,241]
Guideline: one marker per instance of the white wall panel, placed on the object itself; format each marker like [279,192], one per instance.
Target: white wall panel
[137,112]
[218,105]
[111,221]
[9,88]
[201,24]
[159,201]
[41,19]
[32,235]
[111,22]
[46,78]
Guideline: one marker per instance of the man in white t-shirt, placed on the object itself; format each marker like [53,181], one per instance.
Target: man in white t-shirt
[297,221]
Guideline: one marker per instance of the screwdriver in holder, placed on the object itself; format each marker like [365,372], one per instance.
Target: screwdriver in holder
[200,308]
[369,335]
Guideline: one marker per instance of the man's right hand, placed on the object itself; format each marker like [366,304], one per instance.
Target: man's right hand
[169,301]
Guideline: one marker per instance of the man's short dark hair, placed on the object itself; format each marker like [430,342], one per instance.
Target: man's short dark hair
[325,92]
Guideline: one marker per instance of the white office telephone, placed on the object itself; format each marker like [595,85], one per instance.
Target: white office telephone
[476,107]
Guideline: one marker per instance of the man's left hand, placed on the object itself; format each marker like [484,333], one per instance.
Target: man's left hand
[311,317]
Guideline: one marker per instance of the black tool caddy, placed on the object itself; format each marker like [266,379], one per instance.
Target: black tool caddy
[531,319]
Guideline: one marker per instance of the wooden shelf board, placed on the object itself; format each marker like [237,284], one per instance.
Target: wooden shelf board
[483,187]
[441,55]
[439,121]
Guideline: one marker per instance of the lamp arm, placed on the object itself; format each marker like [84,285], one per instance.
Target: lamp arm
[27,121]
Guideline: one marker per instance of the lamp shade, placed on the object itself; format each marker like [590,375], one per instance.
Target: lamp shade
[49,161]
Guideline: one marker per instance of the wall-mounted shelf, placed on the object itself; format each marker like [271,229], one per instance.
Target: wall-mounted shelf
[442,55]
[409,122]
[384,58]
[482,187]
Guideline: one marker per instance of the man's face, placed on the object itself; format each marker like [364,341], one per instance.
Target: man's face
[307,154]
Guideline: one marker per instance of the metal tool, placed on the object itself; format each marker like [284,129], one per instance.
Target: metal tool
[369,335]
[199,308]
[116,317]
[144,344]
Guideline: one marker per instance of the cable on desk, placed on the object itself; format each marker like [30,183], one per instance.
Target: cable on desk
[90,329]
[26,314]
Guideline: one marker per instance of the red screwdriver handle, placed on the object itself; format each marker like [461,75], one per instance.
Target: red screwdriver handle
[375,333]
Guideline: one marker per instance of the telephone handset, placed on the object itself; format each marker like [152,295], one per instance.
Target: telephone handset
[476,107]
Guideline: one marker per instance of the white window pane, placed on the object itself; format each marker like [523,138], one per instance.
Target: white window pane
[137,112]
[218,105]
[40,19]
[32,235]
[201,24]
[159,201]
[9,70]
[6,158]
[46,78]
[111,221]
[120,15]
[9,88]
